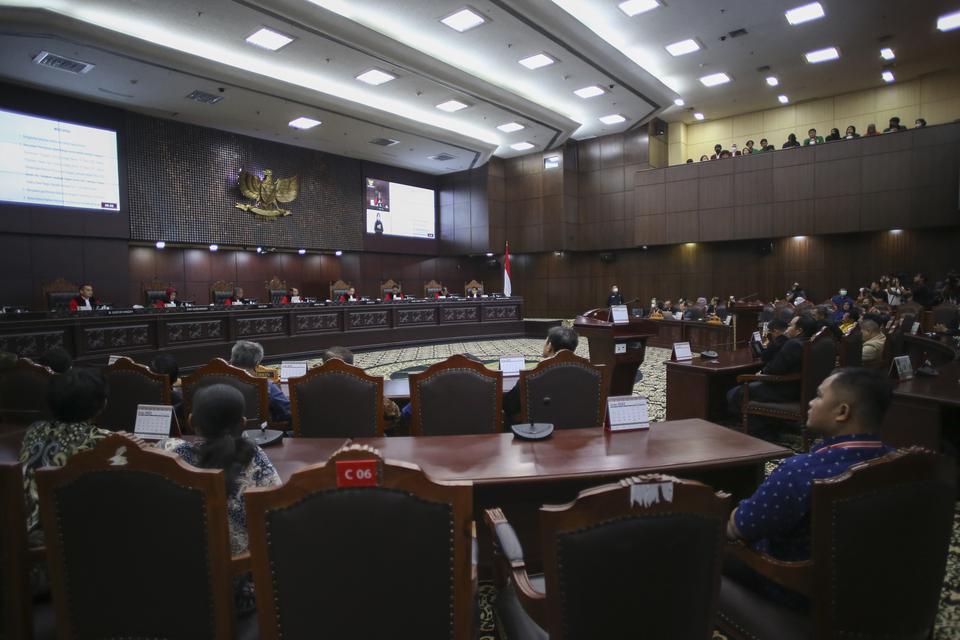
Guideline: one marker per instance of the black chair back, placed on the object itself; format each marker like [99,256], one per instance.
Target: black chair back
[455,397]
[131,385]
[23,392]
[218,371]
[565,390]
[337,400]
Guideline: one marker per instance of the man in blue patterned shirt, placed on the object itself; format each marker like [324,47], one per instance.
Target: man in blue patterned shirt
[847,411]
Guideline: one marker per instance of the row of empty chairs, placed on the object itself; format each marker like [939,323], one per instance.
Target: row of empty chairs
[640,557]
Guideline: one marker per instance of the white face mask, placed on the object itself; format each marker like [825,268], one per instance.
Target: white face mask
[615,290]
[843,292]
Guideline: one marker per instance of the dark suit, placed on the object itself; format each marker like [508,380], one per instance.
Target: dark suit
[788,359]
[614,298]
[773,348]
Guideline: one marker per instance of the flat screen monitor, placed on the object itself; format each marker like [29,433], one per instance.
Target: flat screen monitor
[395,209]
[54,163]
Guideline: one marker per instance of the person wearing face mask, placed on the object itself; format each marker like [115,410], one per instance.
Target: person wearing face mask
[615,296]
[839,300]
[851,133]
[834,135]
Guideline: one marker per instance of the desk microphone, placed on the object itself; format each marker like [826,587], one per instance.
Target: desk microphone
[534,430]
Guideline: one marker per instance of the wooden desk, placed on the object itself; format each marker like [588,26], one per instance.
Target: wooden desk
[700,334]
[923,408]
[698,388]
[399,389]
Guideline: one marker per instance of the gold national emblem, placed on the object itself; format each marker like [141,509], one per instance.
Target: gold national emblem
[266,193]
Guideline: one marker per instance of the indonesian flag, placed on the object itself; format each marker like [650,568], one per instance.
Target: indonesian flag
[507,287]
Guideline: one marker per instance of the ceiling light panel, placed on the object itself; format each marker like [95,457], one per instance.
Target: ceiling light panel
[772,81]
[464,20]
[451,106]
[679,102]
[303,122]
[589,92]
[698,115]
[822,55]
[537,61]
[806,13]
[887,53]
[376,77]
[783,99]
[269,39]
[887,76]
[636,7]
[949,22]
[683,47]
[510,127]
[521,146]
[715,79]
[613,118]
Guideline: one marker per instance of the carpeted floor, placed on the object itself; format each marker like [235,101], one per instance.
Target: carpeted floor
[653,386]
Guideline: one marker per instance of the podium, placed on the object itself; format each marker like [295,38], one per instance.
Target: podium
[746,320]
[620,347]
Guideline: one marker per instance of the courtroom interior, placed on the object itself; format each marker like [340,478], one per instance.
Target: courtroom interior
[503,319]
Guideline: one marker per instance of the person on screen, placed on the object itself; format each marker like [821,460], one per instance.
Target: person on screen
[169,300]
[394,294]
[350,295]
[291,297]
[84,301]
[615,296]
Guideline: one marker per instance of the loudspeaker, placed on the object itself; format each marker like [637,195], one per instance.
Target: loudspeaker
[608,257]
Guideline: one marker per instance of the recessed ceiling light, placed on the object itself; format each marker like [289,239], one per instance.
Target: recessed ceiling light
[806,13]
[269,39]
[338,252]
[464,20]
[636,7]
[375,77]
[679,102]
[949,22]
[589,92]
[887,76]
[887,53]
[214,247]
[510,127]
[521,146]
[783,99]
[613,118]
[161,244]
[259,249]
[698,115]
[683,47]
[822,55]
[714,79]
[537,61]
[303,123]
[452,105]
[772,81]
[301,251]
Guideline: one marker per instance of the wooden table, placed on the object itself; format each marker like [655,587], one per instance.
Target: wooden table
[924,408]
[698,388]
[700,334]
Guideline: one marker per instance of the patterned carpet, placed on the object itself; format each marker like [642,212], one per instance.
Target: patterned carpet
[653,387]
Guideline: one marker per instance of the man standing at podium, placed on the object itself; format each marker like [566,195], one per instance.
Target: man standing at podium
[615,296]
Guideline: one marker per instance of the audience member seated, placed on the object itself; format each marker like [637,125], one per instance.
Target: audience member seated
[558,338]
[169,299]
[823,313]
[394,294]
[717,150]
[847,412]
[291,297]
[812,138]
[247,355]
[748,148]
[921,292]
[796,291]
[766,146]
[774,340]
[894,125]
[850,319]
[237,297]
[733,150]
[75,397]
[851,133]
[834,135]
[919,123]
[350,295]
[56,359]
[84,301]
[695,311]
[218,418]
[704,158]
[615,296]
[166,363]
[872,130]
[391,412]
[442,293]
[787,360]
[873,340]
[791,142]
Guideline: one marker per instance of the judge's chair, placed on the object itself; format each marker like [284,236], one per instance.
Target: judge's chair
[131,385]
[23,392]
[338,289]
[387,287]
[275,289]
[337,399]
[153,291]
[58,294]
[109,516]
[565,390]
[220,292]
[455,397]
[219,371]
[473,284]
[431,289]
[819,359]
[639,558]
[418,576]
[880,536]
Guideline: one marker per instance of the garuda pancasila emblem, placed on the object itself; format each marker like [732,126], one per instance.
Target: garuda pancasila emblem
[267,193]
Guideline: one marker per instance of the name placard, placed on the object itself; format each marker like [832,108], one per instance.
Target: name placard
[627,413]
[292,369]
[153,421]
[512,365]
[619,314]
[112,359]
[357,473]
[902,368]
[620,347]
[681,352]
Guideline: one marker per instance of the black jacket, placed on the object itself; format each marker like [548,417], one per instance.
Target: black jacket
[773,349]
[614,298]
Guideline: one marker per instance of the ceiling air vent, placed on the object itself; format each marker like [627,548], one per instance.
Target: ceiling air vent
[204,97]
[384,142]
[442,157]
[52,60]
[736,33]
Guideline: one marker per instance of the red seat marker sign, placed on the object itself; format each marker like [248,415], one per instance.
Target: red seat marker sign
[357,473]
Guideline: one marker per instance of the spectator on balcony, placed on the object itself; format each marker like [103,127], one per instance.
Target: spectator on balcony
[766,146]
[704,158]
[748,148]
[851,133]
[834,135]
[791,142]
[812,138]
[919,123]
[894,125]
[717,150]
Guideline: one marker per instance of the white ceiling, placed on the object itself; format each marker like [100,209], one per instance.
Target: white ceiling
[149,55]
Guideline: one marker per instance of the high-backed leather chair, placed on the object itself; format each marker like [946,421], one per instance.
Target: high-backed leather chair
[221,291]
[387,287]
[275,289]
[23,392]
[851,349]
[338,288]
[880,535]
[455,397]
[819,359]
[110,516]
[337,399]
[57,294]
[155,290]
[431,289]
[130,384]
[640,558]
[565,390]
[473,284]
[356,561]
[219,371]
